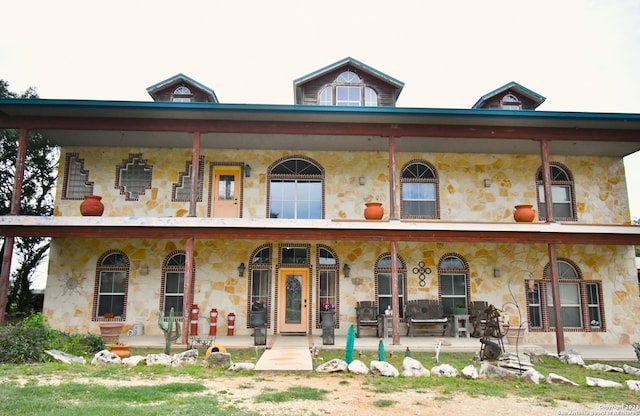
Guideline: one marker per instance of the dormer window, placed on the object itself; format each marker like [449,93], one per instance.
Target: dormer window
[182,94]
[348,90]
[511,102]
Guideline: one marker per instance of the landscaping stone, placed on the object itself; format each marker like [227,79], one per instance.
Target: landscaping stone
[358,367]
[384,369]
[189,357]
[159,359]
[413,368]
[63,357]
[532,376]
[634,371]
[491,371]
[571,357]
[470,372]
[444,370]
[604,367]
[106,357]
[134,360]
[600,382]
[333,366]
[242,366]
[553,378]
[218,359]
[633,385]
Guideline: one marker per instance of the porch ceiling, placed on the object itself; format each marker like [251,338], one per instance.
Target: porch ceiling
[351,230]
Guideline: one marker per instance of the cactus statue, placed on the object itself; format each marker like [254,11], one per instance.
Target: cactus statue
[168,329]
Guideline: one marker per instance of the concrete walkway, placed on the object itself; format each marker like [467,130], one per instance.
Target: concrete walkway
[287,353]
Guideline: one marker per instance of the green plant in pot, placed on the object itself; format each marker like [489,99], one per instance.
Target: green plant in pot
[460,309]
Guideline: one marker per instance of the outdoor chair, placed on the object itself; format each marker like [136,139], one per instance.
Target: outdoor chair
[366,316]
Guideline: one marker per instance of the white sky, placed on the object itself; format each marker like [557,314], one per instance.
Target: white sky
[582,55]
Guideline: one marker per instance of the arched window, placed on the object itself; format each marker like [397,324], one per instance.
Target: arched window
[419,189]
[383,283]
[580,300]
[172,284]
[328,272]
[112,282]
[296,189]
[562,194]
[511,102]
[453,274]
[182,94]
[348,89]
[259,277]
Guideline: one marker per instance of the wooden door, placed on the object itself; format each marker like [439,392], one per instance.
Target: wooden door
[293,305]
[226,192]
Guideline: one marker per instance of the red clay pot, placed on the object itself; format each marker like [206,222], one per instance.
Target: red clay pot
[524,213]
[92,206]
[373,211]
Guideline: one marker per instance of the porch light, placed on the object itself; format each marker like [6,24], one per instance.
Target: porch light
[496,272]
[247,171]
[346,270]
[487,183]
[241,270]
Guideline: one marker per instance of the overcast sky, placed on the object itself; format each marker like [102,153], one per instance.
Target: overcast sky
[581,55]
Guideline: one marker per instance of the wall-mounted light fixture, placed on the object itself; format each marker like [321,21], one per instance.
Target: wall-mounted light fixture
[361,180]
[496,272]
[487,183]
[247,171]
[241,270]
[346,270]
[144,270]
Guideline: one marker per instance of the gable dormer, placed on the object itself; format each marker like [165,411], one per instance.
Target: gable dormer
[181,88]
[511,96]
[347,82]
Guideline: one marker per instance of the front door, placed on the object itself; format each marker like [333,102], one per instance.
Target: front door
[293,305]
[226,203]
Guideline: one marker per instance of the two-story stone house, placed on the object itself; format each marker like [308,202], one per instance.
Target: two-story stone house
[222,205]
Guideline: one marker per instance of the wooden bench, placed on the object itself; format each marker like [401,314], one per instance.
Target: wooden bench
[427,314]
[478,317]
[366,316]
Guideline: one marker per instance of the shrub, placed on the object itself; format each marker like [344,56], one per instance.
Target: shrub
[28,340]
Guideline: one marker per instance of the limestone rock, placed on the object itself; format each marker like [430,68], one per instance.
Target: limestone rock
[491,371]
[553,378]
[218,359]
[470,372]
[189,357]
[159,359]
[604,367]
[571,357]
[242,366]
[134,360]
[333,366]
[413,368]
[64,357]
[384,369]
[634,371]
[358,367]
[532,376]
[633,385]
[106,357]
[444,370]
[600,382]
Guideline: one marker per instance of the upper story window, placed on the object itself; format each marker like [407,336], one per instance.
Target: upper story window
[419,188]
[76,179]
[511,102]
[296,189]
[562,194]
[133,177]
[182,189]
[348,90]
[182,94]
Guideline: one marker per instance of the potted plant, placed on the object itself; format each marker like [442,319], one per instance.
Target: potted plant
[121,350]
[327,315]
[460,309]
[258,314]
[110,330]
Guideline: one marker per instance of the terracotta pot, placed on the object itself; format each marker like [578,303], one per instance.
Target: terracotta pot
[111,331]
[121,351]
[92,206]
[373,211]
[524,213]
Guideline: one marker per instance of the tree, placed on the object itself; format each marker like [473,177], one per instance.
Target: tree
[37,198]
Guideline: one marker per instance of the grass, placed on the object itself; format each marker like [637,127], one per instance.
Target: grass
[50,388]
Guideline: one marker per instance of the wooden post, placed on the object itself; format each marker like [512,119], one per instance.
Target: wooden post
[395,303]
[14,210]
[187,298]
[555,295]
[195,168]
[392,178]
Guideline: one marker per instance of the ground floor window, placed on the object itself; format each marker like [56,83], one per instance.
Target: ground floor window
[453,280]
[383,283]
[111,286]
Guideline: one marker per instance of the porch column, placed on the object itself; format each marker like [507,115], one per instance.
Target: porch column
[555,295]
[392,178]
[187,298]
[395,305]
[546,180]
[195,168]
[14,210]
